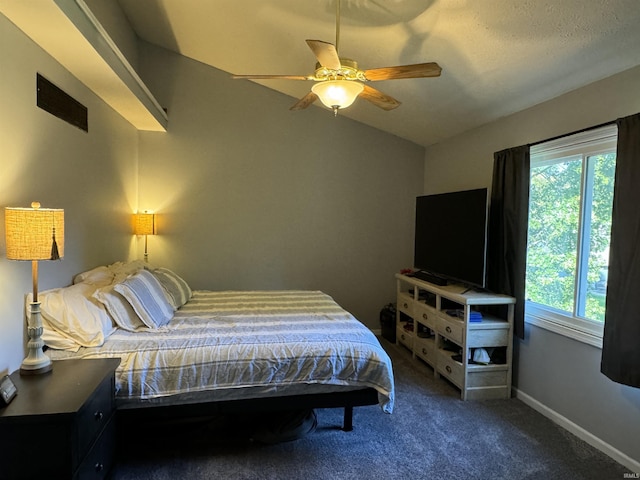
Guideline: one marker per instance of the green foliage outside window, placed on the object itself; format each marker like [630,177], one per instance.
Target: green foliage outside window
[554,237]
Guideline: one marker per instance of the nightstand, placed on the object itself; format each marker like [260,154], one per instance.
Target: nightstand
[61,424]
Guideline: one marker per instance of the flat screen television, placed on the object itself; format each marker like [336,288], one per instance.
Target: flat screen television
[451,237]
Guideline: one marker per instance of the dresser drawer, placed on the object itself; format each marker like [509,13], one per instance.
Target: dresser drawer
[487,376]
[426,315]
[404,337]
[452,329]
[405,303]
[425,348]
[488,337]
[451,369]
[93,416]
[99,460]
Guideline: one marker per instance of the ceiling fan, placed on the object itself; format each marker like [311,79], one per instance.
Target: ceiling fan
[339,81]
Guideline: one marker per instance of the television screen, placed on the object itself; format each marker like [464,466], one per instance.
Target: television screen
[451,236]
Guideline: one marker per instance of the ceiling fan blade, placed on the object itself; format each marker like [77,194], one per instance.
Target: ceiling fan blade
[420,70]
[379,99]
[305,101]
[326,53]
[269,77]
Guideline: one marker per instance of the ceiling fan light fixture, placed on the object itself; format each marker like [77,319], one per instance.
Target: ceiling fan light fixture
[337,94]
[339,81]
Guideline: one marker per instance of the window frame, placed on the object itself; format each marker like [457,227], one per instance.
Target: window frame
[586,144]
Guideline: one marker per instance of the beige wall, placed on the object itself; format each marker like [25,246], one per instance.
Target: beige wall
[254,196]
[559,374]
[92,176]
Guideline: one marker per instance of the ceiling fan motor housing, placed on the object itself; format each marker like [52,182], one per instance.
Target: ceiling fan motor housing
[348,71]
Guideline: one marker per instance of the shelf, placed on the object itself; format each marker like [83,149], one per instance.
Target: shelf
[427,305]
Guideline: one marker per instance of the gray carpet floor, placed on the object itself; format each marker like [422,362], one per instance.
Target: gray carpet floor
[432,434]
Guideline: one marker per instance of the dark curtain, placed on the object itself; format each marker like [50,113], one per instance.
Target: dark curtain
[621,343]
[507,235]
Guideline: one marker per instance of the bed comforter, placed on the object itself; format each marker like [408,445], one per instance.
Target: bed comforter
[234,342]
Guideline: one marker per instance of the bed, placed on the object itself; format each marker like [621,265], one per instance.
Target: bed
[185,351]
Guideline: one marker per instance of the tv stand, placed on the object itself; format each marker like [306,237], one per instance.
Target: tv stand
[429,277]
[435,323]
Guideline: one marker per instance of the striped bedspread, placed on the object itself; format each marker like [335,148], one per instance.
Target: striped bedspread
[230,341]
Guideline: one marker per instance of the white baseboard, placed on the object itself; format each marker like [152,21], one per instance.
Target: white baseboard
[581,433]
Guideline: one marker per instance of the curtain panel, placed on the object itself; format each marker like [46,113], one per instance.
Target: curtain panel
[508,223]
[621,342]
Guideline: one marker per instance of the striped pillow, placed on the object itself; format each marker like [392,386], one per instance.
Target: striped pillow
[119,309]
[178,291]
[146,296]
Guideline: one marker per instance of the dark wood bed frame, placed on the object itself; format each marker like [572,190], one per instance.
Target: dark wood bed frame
[346,400]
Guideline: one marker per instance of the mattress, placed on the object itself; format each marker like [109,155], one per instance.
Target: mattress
[246,344]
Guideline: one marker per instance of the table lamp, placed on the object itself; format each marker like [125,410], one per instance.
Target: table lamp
[34,234]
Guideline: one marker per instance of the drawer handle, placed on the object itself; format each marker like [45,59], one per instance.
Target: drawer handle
[406,305]
[448,368]
[99,467]
[425,316]
[424,351]
[98,416]
[448,329]
[402,336]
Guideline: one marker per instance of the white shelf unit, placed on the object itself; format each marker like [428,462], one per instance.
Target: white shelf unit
[447,342]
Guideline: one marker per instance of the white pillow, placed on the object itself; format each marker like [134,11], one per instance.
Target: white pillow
[122,270]
[97,276]
[119,309]
[75,314]
[146,296]
[178,291]
[52,338]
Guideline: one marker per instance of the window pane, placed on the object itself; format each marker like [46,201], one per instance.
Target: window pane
[598,263]
[554,211]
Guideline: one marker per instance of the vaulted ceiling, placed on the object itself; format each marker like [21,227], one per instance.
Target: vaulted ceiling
[497,56]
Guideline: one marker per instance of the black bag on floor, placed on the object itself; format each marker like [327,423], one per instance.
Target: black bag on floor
[285,426]
[388,322]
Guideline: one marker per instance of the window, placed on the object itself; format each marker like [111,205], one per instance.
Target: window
[570,202]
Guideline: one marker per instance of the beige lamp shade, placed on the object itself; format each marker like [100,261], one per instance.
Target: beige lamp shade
[144,224]
[34,233]
[337,94]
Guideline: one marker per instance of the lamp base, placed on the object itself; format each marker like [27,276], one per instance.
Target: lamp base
[28,370]
[36,362]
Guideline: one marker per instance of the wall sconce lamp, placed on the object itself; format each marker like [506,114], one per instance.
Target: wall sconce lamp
[34,234]
[144,224]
